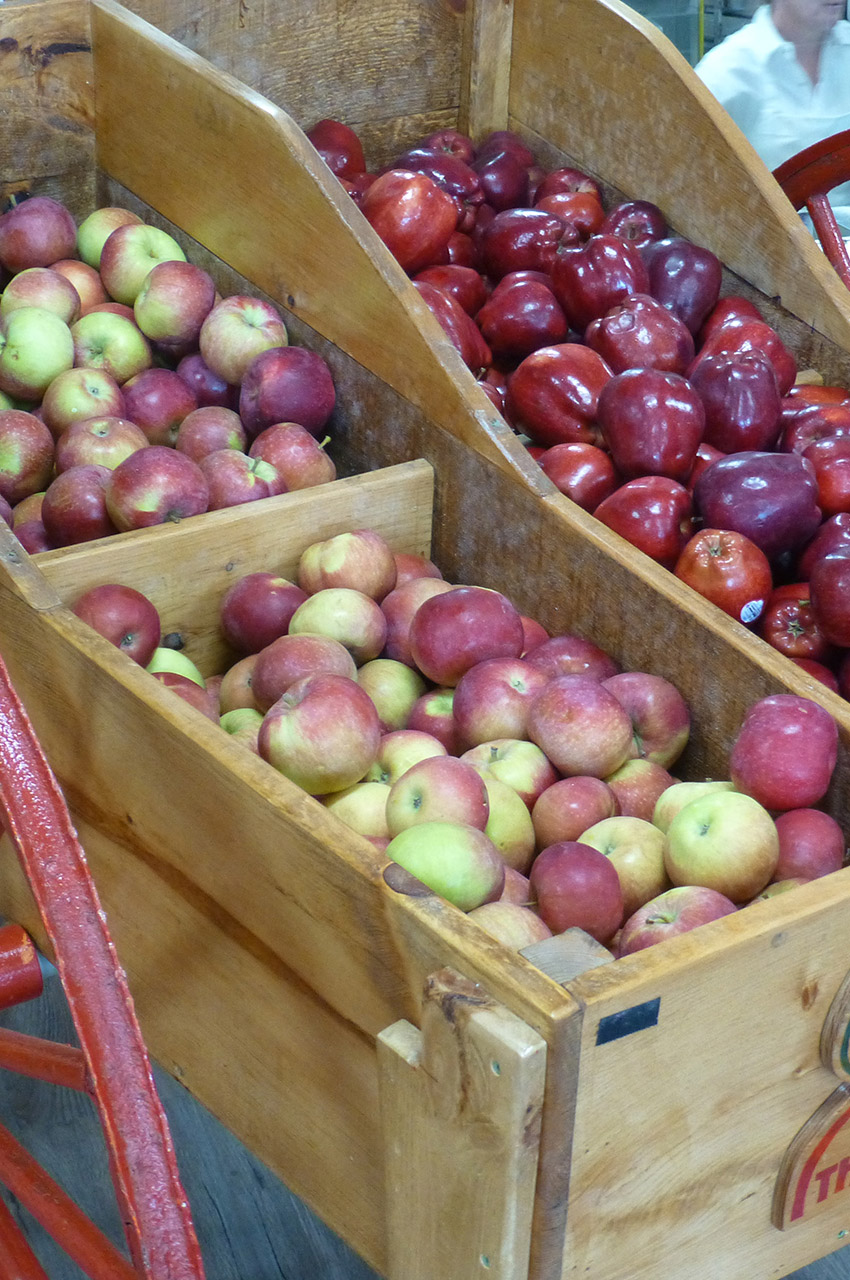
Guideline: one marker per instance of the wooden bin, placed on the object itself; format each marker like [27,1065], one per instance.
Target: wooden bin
[627,1122]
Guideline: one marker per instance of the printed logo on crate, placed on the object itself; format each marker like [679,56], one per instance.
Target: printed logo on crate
[815,1171]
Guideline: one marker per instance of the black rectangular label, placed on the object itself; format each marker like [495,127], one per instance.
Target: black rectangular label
[627,1021]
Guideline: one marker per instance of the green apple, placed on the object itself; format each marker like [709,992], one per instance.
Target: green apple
[95,229]
[35,347]
[724,841]
[458,862]
[681,793]
[393,687]
[165,659]
[509,823]
[636,848]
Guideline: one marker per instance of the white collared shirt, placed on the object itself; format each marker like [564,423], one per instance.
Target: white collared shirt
[755,75]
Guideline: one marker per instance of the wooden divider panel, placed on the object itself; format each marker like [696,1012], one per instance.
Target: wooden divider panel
[602,83]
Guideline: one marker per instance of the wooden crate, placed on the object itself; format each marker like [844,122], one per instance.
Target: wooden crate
[275,970]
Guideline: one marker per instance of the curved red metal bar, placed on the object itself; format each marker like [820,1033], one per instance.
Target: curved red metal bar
[154,1208]
[807,178]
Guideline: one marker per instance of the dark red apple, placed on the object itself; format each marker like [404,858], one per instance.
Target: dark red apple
[553,394]
[123,616]
[830,458]
[257,609]
[463,331]
[36,233]
[639,333]
[590,278]
[74,507]
[521,316]
[412,215]
[802,423]
[685,278]
[153,486]
[639,221]
[208,387]
[568,179]
[339,146]
[741,399]
[829,587]
[578,209]
[653,513]
[466,285]
[519,240]
[452,631]
[235,478]
[158,400]
[582,472]
[504,179]
[286,384]
[652,422]
[751,335]
[298,457]
[729,310]
[772,498]
[832,535]
[789,625]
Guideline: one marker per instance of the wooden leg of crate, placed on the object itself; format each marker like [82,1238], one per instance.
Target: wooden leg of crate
[460,1107]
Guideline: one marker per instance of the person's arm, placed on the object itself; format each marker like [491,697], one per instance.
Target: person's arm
[733,85]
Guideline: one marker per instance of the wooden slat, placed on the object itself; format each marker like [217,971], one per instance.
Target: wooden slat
[602,83]
[45,87]
[301,226]
[718,1089]
[460,1108]
[487,67]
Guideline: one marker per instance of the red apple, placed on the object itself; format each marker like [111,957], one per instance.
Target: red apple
[412,215]
[209,387]
[286,384]
[174,301]
[685,278]
[26,455]
[295,453]
[569,806]
[672,913]
[590,278]
[103,442]
[580,726]
[41,287]
[322,734]
[85,280]
[209,428]
[785,752]
[652,422]
[257,609]
[439,788]
[123,616]
[339,146]
[571,655]
[235,331]
[553,394]
[359,558]
[521,316]
[158,400]
[577,887]
[659,715]
[284,661]
[811,844]
[653,513]
[492,699]
[453,631]
[788,624]
[741,399]
[398,608]
[36,233]
[639,333]
[153,486]
[636,785]
[729,570]
[74,507]
[233,478]
[432,715]
[409,565]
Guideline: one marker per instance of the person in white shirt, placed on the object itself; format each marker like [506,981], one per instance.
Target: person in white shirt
[784,78]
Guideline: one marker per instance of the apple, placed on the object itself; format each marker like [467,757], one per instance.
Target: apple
[744,337]
[569,806]
[785,752]
[77,394]
[347,615]
[811,844]
[509,823]
[513,925]
[158,400]
[286,384]
[85,280]
[96,227]
[409,565]
[432,714]
[777,887]
[516,761]
[661,721]
[32,536]
[637,784]
[291,658]
[168,661]
[129,254]
[299,457]
[103,340]
[453,631]
[672,913]
[580,726]
[465,284]
[236,330]
[741,399]
[234,478]
[322,734]
[438,788]
[553,394]
[519,240]
[35,347]
[463,332]
[103,442]
[582,472]
[517,889]
[566,178]
[828,593]
[674,798]
[199,698]
[652,421]
[363,807]
[26,455]
[728,569]
[236,691]
[209,428]
[636,850]
[399,607]
[123,616]
[723,840]
[412,215]
[174,301]
[399,750]
[571,655]
[339,146]
[41,287]
[28,508]
[684,277]
[209,387]
[492,699]
[637,222]
[771,498]
[393,687]
[653,513]
[257,609]
[360,558]
[788,623]
[74,508]
[576,886]
[533,634]
[591,278]
[154,486]
[243,724]
[458,862]
[36,233]
[640,333]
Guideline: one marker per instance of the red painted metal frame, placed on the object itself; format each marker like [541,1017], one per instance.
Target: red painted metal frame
[807,178]
[17,1260]
[153,1205]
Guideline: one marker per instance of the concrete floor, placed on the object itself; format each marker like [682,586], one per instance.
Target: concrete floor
[250,1227]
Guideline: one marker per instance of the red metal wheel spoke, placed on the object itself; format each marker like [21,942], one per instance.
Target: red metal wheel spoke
[55,1210]
[44,1060]
[20,971]
[157,1221]
[17,1260]
[807,178]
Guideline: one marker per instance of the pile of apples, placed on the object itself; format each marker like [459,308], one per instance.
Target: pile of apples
[523,777]
[131,393]
[672,414]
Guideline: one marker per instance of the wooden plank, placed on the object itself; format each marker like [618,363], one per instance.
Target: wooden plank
[719,1088]
[460,1107]
[150,92]
[589,76]
[45,87]
[486,67]
[185,569]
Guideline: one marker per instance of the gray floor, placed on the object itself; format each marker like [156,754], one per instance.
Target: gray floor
[250,1227]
